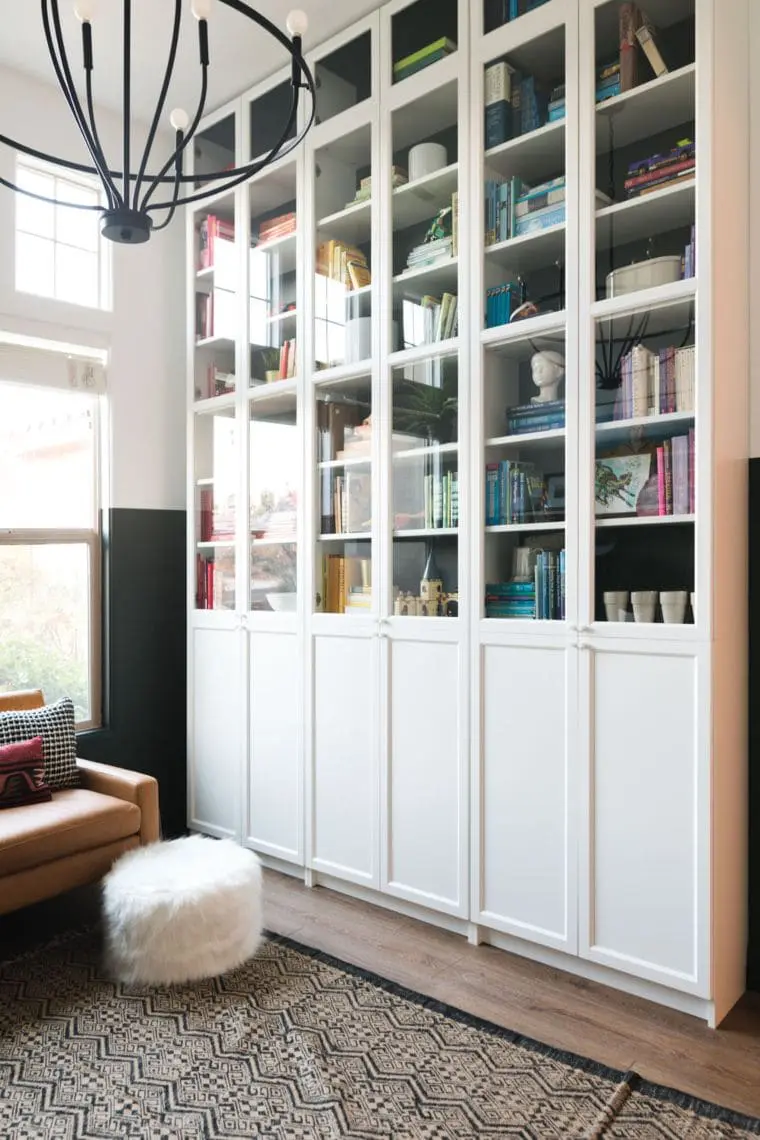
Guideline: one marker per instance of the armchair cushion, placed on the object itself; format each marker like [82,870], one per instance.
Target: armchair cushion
[55,724]
[22,774]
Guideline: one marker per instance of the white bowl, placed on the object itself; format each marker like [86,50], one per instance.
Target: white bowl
[283,603]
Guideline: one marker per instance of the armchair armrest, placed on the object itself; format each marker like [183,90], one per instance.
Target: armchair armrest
[134,787]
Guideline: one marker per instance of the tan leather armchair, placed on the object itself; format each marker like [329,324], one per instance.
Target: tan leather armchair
[74,839]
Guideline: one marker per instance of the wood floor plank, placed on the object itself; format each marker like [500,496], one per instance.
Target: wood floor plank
[559,1009]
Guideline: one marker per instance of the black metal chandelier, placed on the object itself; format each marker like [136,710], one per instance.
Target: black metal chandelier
[130,193]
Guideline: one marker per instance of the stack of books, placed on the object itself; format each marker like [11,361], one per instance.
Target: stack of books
[441,493]
[502,301]
[675,475]
[539,207]
[661,170]
[430,320]
[501,197]
[278,227]
[343,263]
[608,80]
[399,177]
[524,418]
[440,241]
[655,383]
[557,105]
[214,234]
[511,600]
[415,62]
[346,584]
[515,493]
[288,360]
[218,383]
[217,519]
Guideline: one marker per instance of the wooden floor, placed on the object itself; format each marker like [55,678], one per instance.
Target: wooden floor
[561,1010]
[558,1009]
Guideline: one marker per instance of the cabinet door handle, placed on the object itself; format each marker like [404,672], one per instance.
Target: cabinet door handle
[584,643]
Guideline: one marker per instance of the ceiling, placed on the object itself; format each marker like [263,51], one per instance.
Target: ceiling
[241,54]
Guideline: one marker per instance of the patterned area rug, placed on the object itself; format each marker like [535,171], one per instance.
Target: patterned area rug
[295,1046]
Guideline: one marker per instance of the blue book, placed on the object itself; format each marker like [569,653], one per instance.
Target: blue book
[498,123]
[542,220]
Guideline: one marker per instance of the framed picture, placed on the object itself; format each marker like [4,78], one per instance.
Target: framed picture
[619,481]
[555,494]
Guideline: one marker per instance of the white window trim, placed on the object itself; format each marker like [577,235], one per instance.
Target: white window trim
[105,273]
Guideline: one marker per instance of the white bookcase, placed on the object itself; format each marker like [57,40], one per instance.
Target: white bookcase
[570,786]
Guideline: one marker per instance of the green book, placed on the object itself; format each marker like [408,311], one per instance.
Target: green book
[443,45]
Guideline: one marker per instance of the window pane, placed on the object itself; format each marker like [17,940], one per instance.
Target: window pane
[35,265]
[47,459]
[32,216]
[76,276]
[77,227]
[45,622]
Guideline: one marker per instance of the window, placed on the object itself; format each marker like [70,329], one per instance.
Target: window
[59,251]
[50,545]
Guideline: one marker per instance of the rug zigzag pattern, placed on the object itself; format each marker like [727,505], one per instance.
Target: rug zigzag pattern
[289,1047]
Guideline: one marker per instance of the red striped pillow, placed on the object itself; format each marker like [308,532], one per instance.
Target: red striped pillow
[22,774]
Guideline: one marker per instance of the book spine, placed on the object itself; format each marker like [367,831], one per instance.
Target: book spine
[645,36]
[660,480]
[628,20]
[668,456]
[692,472]
[540,221]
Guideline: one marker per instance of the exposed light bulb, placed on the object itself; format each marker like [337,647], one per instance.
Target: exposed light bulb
[201,9]
[84,10]
[297,23]
[179,119]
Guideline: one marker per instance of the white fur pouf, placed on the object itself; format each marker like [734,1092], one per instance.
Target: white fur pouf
[178,911]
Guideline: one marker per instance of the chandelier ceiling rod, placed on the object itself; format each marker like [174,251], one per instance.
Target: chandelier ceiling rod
[129,194]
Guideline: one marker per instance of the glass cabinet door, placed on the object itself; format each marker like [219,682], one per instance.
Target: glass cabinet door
[216,480]
[217,317]
[273,276]
[274,466]
[344,496]
[343,254]
[644,402]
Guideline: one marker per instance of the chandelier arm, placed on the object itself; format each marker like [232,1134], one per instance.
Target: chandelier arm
[50,201]
[160,105]
[108,182]
[63,73]
[154,184]
[127,100]
[175,197]
[242,174]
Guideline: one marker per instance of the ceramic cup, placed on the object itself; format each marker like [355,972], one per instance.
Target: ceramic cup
[673,603]
[644,604]
[616,605]
[693,600]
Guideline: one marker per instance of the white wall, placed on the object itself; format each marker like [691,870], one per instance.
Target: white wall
[144,333]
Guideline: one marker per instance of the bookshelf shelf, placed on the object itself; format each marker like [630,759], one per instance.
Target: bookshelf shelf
[418,201]
[206,274]
[509,340]
[533,155]
[216,544]
[274,540]
[351,461]
[290,316]
[646,110]
[273,391]
[525,528]
[283,250]
[208,481]
[215,342]
[646,427]
[648,520]
[443,275]
[351,225]
[647,300]
[343,373]
[215,404]
[431,532]
[361,537]
[421,352]
[535,439]
[639,218]
[419,452]
[529,251]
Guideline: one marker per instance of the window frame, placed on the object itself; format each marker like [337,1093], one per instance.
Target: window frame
[91,537]
[103,253]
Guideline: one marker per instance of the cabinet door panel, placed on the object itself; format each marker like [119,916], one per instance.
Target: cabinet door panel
[216,739]
[643,914]
[345,766]
[425,824]
[274,790]
[527,881]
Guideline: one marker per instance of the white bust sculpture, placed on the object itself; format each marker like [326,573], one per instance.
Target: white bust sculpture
[548,370]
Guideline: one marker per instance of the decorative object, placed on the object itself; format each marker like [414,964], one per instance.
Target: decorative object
[288,1045]
[130,191]
[179,911]
[644,604]
[284,603]
[618,483]
[431,586]
[56,725]
[643,275]
[555,494]
[548,371]
[22,774]
[616,605]
[673,606]
[426,158]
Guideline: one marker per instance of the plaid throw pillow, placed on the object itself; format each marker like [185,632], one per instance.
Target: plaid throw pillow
[55,724]
[22,774]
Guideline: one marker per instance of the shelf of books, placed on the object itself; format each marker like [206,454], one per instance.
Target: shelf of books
[216,289]
[645,368]
[216,462]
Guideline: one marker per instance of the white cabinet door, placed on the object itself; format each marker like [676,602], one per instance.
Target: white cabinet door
[274,822]
[217,730]
[644,893]
[344,805]
[425,786]
[526,876]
